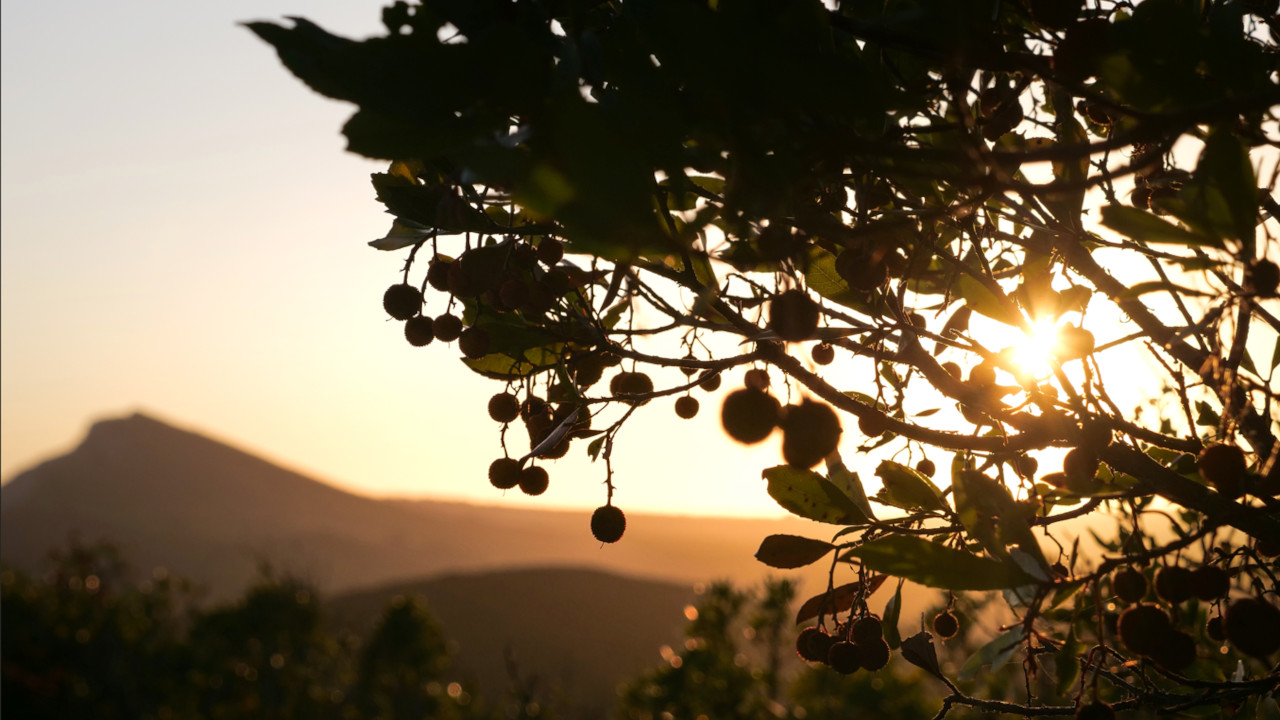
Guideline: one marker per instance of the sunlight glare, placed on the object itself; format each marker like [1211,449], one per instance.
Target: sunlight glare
[1035,350]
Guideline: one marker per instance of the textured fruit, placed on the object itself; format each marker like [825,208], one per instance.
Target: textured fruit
[710,381]
[810,644]
[630,386]
[1262,277]
[823,353]
[1074,343]
[843,657]
[1142,628]
[504,473]
[438,274]
[926,467]
[793,315]
[402,301]
[810,432]
[749,416]
[447,327]
[474,342]
[1223,466]
[872,425]
[504,407]
[1080,464]
[945,625]
[550,251]
[867,629]
[1215,630]
[608,523]
[686,406]
[1174,584]
[534,480]
[1253,627]
[953,369]
[756,379]
[1129,585]
[873,655]
[1210,582]
[418,331]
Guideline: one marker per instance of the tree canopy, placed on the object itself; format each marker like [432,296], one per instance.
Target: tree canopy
[988,235]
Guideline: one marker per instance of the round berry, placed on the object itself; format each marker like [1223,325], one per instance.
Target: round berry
[474,342]
[534,480]
[402,301]
[946,625]
[686,406]
[926,467]
[1129,585]
[504,407]
[447,327]
[823,353]
[608,523]
[504,473]
[749,416]
[418,331]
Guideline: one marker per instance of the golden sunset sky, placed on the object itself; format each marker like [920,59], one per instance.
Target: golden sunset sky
[183,234]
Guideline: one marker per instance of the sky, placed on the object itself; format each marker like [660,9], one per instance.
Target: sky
[183,234]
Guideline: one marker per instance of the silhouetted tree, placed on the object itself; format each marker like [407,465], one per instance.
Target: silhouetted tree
[880,210]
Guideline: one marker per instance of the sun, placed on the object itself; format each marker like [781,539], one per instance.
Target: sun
[1033,352]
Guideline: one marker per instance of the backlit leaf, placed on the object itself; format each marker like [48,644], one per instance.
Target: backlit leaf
[837,599]
[934,565]
[791,551]
[809,495]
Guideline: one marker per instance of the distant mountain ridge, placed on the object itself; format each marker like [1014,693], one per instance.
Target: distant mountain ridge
[204,509]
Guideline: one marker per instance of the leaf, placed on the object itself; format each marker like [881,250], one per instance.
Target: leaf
[1144,227]
[1150,286]
[1067,662]
[1224,167]
[995,653]
[978,297]
[401,235]
[909,488]
[934,565]
[847,482]
[919,651]
[809,495]
[837,599]
[1205,414]
[822,278]
[594,448]
[892,610]
[791,551]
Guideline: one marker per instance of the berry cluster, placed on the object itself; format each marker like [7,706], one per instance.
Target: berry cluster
[855,645]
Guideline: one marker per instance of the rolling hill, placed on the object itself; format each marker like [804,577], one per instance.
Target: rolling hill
[213,513]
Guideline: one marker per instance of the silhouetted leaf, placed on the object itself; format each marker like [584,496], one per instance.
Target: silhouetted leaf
[809,495]
[847,482]
[934,565]
[1147,228]
[791,551]
[978,297]
[837,599]
[919,651]
[892,611]
[995,653]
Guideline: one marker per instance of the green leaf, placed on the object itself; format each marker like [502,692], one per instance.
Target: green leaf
[995,653]
[908,488]
[594,448]
[838,599]
[978,297]
[809,495]
[847,482]
[1224,166]
[892,611]
[934,565]
[791,551]
[1147,228]
[1067,662]
[822,278]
